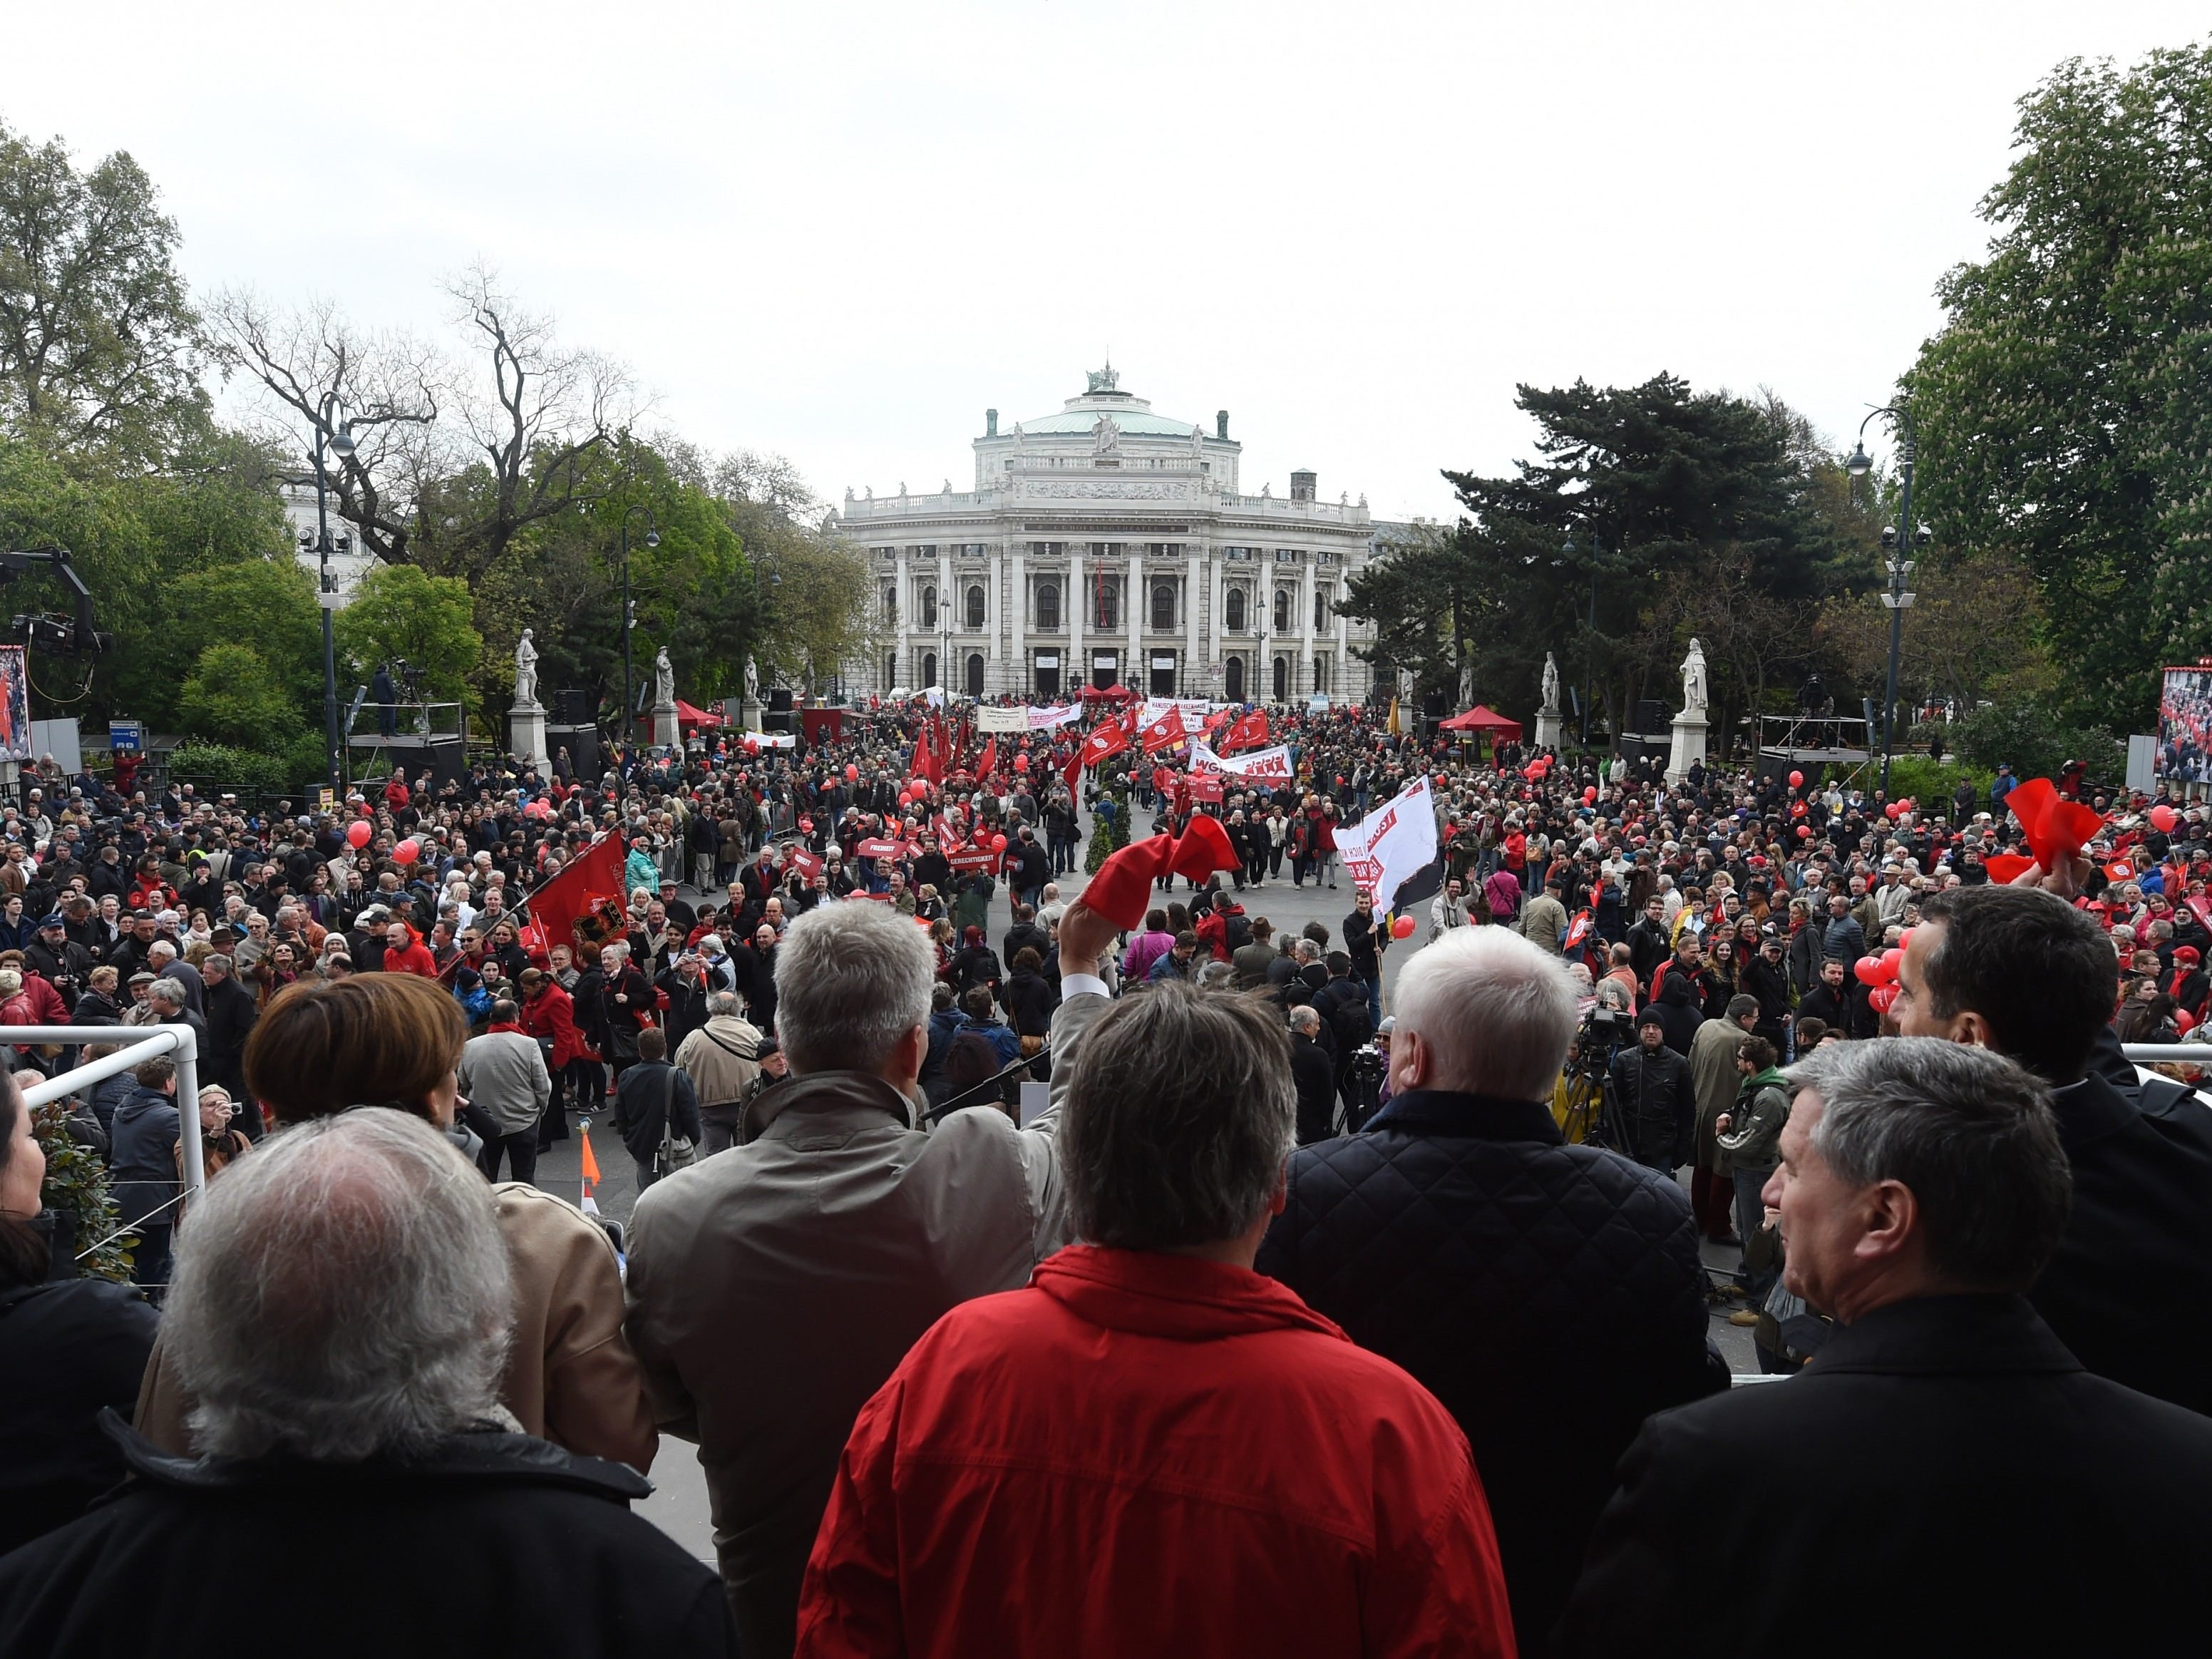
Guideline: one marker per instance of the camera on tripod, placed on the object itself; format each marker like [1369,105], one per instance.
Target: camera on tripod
[1593,1114]
[1363,1085]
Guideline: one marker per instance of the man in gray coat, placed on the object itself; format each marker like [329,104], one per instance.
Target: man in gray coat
[502,1074]
[775,1286]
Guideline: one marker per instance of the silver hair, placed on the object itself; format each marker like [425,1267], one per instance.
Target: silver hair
[1303,1018]
[373,1246]
[1213,975]
[1306,950]
[1495,1012]
[851,980]
[724,1002]
[1969,1133]
[1179,1120]
[171,991]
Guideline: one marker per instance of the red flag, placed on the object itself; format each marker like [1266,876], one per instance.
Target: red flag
[1106,741]
[564,907]
[988,761]
[1164,733]
[1121,890]
[1248,732]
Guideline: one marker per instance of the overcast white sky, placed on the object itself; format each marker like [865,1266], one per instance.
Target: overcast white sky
[842,231]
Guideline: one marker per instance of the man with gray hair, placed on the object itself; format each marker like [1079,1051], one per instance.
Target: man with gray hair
[722,1060]
[1551,1296]
[330,1456]
[774,1286]
[1923,1188]
[1153,1450]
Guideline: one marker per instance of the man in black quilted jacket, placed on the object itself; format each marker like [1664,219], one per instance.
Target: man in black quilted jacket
[1550,1296]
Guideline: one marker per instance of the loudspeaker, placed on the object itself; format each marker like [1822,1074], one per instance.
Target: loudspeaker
[1433,703]
[571,708]
[779,720]
[447,757]
[582,743]
[1652,715]
[778,703]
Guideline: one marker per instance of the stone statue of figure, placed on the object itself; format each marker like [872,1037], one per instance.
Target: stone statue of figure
[1693,679]
[1551,684]
[752,680]
[664,681]
[526,672]
[1105,435]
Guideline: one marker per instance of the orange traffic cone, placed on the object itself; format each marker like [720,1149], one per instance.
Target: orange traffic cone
[590,1171]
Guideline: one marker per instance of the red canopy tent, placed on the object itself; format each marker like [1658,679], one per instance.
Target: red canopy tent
[1109,693]
[687,715]
[1481,719]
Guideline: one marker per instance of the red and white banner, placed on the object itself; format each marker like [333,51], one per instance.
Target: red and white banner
[1267,766]
[878,848]
[1396,841]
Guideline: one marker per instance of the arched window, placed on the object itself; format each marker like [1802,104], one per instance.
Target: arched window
[1232,682]
[1232,615]
[975,608]
[929,607]
[1282,610]
[891,672]
[1163,607]
[928,669]
[890,603]
[1110,606]
[1048,604]
[975,674]
[1321,674]
[1321,610]
[1282,679]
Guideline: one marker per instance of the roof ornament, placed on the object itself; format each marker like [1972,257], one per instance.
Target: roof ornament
[1197,440]
[1103,379]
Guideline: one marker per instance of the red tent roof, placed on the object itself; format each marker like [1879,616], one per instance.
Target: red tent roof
[1480,718]
[686,715]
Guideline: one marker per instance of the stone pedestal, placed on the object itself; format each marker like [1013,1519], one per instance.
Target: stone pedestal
[1550,731]
[1689,748]
[526,736]
[667,734]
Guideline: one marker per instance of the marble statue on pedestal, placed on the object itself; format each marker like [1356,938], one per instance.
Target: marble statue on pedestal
[526,672]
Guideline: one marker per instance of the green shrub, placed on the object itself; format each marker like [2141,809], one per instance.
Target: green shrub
[241,769]
[2032,737]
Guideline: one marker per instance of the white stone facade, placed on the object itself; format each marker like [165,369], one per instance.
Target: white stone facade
[348,563]
[1109,545]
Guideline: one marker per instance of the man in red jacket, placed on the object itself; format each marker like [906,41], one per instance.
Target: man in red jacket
[1152,1449]
[405,953]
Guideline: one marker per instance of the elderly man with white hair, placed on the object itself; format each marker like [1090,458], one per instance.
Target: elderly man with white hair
[338,1457]
[1551,1296]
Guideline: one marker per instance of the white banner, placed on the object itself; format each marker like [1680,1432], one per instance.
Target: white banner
[1043,720]
[1260,766]
[1396,841]
[1193,711]
[988,718]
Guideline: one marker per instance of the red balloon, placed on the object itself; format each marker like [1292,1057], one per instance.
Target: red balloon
[1590,795]
[1890,958]
[358,833]
[1797,780]
[852,772]
[1441,781]
[406,852]
[919,786]
[1804,832]
[1880,997]
[2163,818]
[1402,928]
[998,843]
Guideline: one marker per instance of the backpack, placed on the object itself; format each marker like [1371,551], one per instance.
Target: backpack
[1348,1017]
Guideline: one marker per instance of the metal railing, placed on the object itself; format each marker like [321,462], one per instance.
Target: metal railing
[135,1045]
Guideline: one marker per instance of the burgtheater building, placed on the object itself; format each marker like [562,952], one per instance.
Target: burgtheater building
[1109,545]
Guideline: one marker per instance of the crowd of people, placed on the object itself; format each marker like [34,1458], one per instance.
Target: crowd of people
[1266,1323]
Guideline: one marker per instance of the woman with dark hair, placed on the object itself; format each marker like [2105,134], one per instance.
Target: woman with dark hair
[1722,977]
[394,1040]
[69,1347]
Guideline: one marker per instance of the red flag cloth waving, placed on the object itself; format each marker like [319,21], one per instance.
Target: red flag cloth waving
[569,897]
[924,764]
[2057,828]
[988,761]
[1106,741]
[1248,732]
[1123,886]
[1164,733]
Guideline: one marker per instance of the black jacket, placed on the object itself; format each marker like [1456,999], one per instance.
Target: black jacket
[546,1559]
[231,1013]
[67,1348]
[2128,1288]
[1316,1079]
[1943,1479]
[642,1101]
[1550,1296]
[1660,1104]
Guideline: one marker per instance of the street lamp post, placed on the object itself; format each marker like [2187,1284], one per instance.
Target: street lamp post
[339,440]
[1589,644]
[1897,541]
[652,539]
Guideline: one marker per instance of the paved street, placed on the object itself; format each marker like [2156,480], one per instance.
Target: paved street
[678,1504]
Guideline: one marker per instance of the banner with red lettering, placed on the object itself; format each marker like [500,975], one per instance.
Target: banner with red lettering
[1396,841]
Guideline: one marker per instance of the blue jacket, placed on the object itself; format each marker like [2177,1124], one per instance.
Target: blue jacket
[142,1157]
[1551,1296]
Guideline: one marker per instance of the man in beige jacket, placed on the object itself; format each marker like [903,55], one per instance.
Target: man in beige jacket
[774,1287]
[722,1060]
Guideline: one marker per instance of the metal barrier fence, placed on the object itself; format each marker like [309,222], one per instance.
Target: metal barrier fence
[136,1044]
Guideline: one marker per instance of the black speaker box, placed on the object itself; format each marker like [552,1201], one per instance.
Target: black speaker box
[571,708]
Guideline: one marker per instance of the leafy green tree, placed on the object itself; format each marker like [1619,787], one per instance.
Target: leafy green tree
[399,612]
[99,344]
[232,695]
[2062,413]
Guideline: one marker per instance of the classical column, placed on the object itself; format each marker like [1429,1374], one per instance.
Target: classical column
[1195,666]
[1132,598]
[1074,673]
[1305,603]
[903,614]
[1215,633]
[1017,606]
[1344,647]
[948,626]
